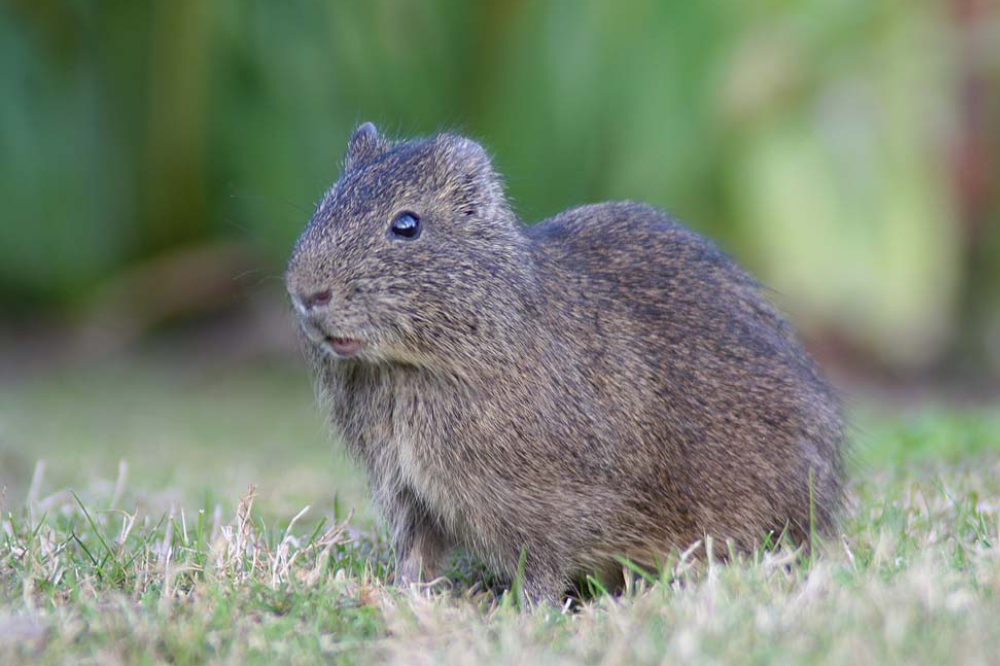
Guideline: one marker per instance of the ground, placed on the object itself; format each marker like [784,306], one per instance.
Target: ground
[156,515]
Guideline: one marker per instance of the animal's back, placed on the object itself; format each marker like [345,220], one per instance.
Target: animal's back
[719,412]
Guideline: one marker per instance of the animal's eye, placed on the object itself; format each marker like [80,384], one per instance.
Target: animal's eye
[405,226]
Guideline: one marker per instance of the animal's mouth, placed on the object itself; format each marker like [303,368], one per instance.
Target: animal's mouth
[332,344]
[344,347]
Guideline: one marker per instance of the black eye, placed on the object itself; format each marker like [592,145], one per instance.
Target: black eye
[405,226]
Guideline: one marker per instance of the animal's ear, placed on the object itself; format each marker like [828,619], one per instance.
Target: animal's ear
[364,146]
[470,183]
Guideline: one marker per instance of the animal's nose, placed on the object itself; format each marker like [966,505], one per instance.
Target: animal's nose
[315,300]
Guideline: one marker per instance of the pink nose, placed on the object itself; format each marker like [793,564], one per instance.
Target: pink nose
[319,299]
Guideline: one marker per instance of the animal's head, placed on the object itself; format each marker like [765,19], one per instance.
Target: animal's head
[411,256]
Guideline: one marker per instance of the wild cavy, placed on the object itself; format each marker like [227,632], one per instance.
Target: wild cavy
[603,383]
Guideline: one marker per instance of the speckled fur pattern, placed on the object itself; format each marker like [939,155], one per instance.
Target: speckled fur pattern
[604,383]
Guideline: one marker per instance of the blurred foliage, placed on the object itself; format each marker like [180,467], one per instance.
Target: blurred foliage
[823,143]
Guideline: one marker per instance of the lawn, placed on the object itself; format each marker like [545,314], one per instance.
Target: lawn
[173,515]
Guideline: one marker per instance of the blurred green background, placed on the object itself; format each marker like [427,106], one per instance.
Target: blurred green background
[159,158]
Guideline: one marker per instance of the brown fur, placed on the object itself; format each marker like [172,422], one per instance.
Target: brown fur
[603,383]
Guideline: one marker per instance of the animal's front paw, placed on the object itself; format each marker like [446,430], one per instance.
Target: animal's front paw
[414,570]
[542,590]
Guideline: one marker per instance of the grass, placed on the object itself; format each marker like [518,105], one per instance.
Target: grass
[140,541]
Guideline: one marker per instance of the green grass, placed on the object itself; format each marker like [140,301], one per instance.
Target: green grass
[137,541]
